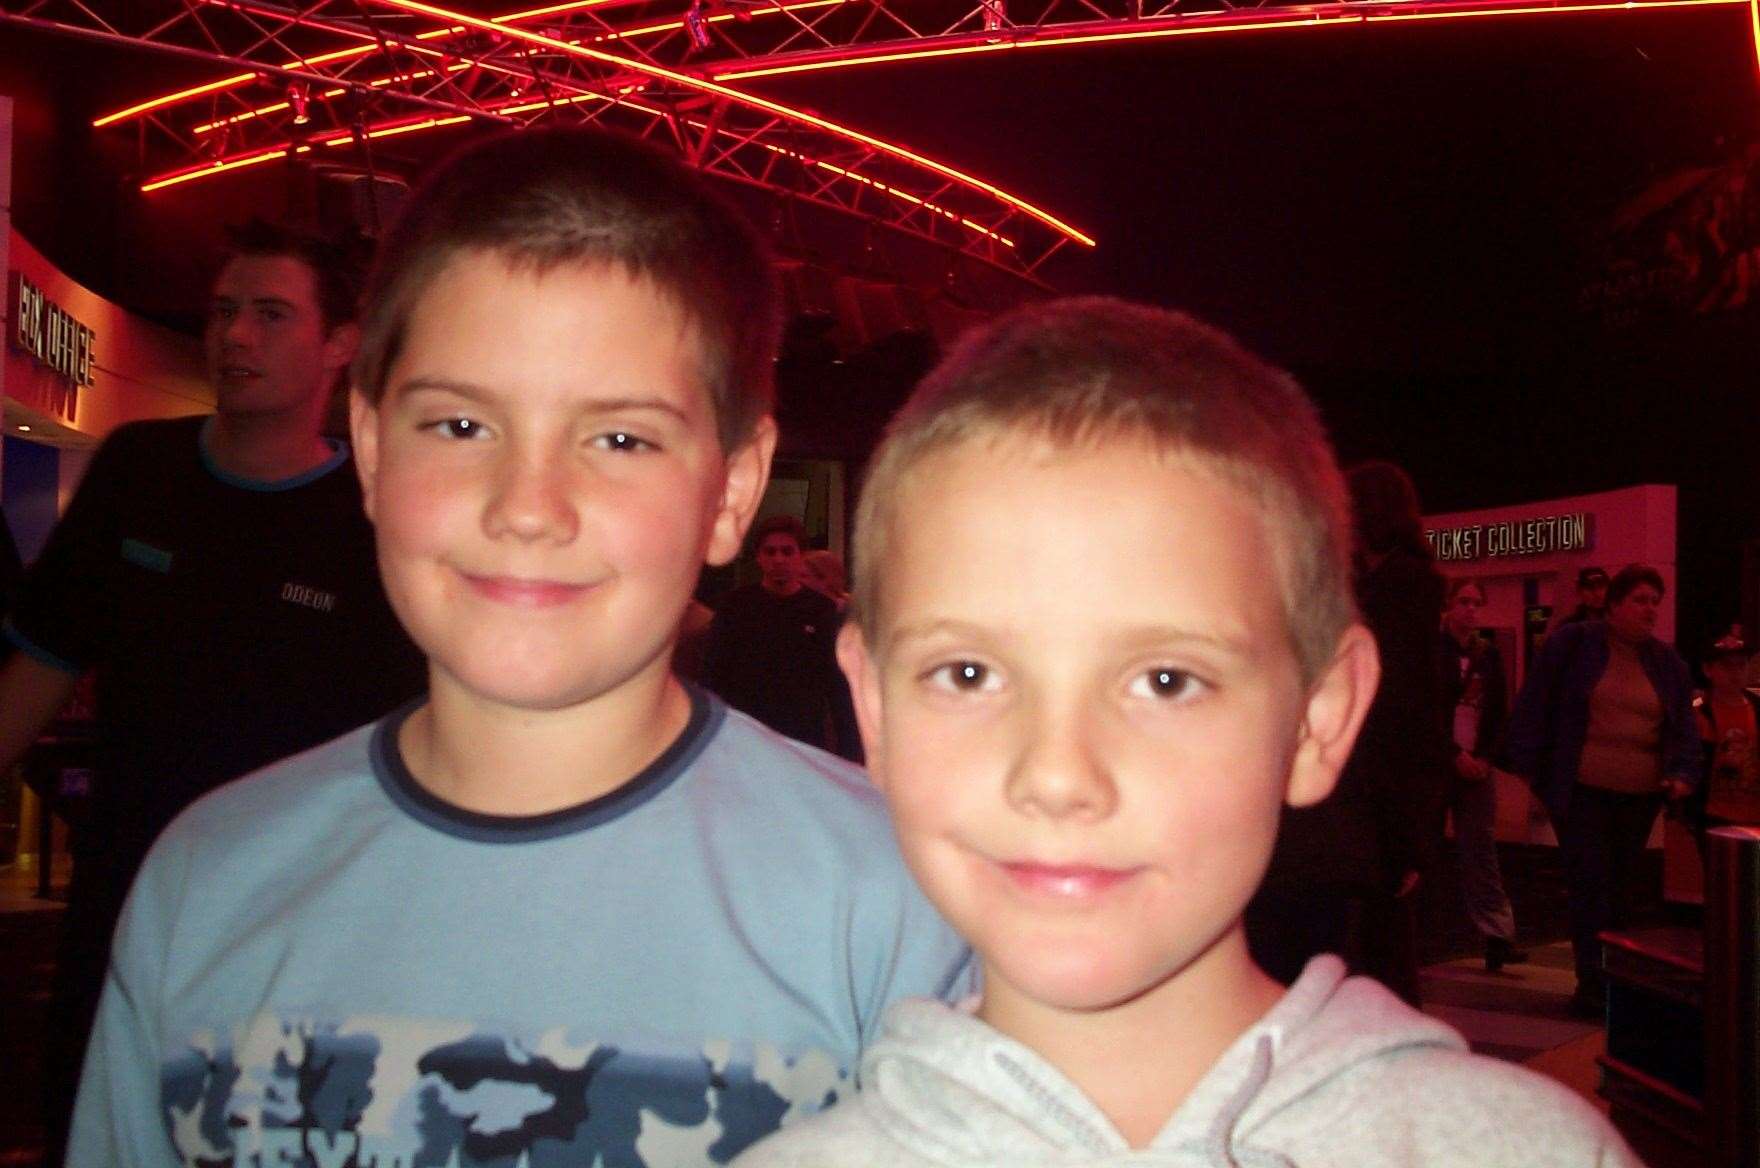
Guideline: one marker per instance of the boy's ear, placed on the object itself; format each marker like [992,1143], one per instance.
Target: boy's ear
[863,674]
[748,470]
[1337,704]
[363,435]
[340,346]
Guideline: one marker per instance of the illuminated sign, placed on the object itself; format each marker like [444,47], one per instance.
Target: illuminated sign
[44,331]
[1516,537]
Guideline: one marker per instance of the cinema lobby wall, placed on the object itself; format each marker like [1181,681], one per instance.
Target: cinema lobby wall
[1527,590]
[1504,549]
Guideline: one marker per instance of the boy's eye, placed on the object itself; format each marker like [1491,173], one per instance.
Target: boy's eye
[1165,683]
[623,440]
[965,676]
[460,428]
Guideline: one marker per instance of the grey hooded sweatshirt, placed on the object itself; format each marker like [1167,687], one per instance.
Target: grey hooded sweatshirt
[1339,1073]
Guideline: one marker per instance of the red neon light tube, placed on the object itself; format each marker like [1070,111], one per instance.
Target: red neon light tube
[254,158]
[1103,31]
[619,34]
[788,113]
[877,54]
[237,79]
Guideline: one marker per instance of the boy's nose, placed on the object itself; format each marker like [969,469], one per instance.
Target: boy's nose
[1058,773]
[532,502]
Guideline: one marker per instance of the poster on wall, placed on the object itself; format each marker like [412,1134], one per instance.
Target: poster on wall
[1689,244]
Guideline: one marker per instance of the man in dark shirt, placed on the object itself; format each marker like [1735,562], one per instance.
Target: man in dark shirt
[771,650]
[218,577]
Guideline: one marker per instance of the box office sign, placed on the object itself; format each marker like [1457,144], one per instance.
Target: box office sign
[49,335]
[1572,532]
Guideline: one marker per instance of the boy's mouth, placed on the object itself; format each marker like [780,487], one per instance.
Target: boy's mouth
[1065,881]
[525,593]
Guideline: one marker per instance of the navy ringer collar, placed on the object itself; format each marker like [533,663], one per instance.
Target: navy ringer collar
[424,806]
[338,456]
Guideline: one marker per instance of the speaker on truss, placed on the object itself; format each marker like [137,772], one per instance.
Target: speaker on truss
[350,202]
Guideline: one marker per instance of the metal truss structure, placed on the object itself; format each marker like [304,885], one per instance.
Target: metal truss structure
[329,77]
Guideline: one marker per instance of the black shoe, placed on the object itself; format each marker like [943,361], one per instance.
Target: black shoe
[1590,1004]
[1499,953]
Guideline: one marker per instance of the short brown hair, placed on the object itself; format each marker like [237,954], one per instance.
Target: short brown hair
[1087,370]
[540,199]
[781,524]
[1632,577]
[1385,509]
[335,277]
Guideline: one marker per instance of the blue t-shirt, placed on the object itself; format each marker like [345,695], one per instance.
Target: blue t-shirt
[324,964]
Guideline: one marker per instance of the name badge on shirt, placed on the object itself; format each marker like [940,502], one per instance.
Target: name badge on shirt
[145,555]
[307,596]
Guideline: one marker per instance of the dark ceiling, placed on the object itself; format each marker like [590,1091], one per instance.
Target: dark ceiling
[1391,197]
[1407,215]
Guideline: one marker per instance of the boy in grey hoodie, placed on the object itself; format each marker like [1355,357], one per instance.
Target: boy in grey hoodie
[1103,632]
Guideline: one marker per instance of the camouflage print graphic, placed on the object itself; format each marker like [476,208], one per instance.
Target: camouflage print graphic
[378,1092]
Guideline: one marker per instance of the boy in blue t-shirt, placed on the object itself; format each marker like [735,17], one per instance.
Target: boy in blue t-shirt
[565,910]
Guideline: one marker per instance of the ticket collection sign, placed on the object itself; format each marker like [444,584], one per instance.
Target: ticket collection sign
[45,332]
[1571,532]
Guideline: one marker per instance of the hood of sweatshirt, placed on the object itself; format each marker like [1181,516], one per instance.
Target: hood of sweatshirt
[955,1091]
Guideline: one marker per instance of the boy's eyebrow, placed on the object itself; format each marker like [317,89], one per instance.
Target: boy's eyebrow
[465,389]
[1142,634]
[921,630]
[476,392]
[1236,646]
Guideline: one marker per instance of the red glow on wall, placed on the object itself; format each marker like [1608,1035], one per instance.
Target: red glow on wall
[1754,22]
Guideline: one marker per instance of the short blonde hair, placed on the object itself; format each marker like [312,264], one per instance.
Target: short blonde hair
[1085,370]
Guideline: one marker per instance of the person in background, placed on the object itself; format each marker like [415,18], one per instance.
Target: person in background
[1475,695]
[1591,598]
[218,576]
[771,650]
[1604,732]
[824,573]
[1729,726]
[1345,871]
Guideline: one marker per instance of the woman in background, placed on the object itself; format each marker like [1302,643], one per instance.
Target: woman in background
[1604,732]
